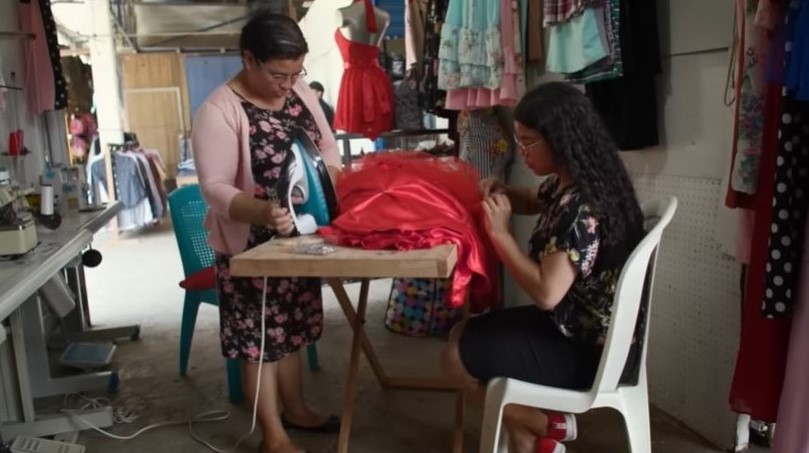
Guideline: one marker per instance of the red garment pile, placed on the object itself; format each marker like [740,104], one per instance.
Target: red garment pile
[408,201]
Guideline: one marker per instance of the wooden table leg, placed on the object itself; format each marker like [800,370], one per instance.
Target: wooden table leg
[350,392]
[359,329]
[457,433]
[356,320]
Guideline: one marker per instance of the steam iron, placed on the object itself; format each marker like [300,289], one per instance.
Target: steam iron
[311,193]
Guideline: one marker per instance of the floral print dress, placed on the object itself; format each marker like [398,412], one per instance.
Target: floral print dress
[294,308]
[471,51]
[568,224]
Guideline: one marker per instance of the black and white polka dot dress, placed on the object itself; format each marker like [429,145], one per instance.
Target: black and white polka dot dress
[49,24]
[789,208]
[790,199]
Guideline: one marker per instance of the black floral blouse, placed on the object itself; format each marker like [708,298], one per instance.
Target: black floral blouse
[568,224]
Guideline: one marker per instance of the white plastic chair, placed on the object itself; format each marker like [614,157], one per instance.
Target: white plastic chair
[632,401]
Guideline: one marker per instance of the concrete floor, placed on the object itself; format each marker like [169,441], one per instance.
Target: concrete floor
[137,282]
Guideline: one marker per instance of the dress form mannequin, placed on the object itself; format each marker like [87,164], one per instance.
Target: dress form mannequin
[365,103]
[356,26]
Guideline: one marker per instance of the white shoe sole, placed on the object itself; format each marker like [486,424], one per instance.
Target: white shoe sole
[572,428]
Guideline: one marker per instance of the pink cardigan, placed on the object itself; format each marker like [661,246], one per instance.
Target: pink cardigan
[221,146]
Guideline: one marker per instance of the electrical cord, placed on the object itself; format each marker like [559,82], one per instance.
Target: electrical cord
[123,413]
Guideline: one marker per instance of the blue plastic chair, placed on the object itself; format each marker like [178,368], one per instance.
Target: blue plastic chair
[188,211]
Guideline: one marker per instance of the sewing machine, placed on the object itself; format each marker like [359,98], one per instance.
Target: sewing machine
[18,234]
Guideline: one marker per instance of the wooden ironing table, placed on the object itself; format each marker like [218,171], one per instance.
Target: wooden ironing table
[279,258]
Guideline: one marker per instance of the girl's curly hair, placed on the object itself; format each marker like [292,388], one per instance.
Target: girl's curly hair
[581,144]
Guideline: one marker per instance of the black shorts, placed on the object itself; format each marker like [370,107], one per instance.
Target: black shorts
[523,343]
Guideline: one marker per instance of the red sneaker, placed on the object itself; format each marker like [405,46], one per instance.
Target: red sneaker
[562,427]
[547,445]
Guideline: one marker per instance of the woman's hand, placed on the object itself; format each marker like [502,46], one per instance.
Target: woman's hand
[490,186]
[279,219]
[498,213]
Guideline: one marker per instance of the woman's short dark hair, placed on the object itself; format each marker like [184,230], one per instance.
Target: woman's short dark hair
[271,36]
[581,144]
[317,86]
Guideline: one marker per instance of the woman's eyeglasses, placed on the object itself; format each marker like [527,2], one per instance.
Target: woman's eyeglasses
[280,77]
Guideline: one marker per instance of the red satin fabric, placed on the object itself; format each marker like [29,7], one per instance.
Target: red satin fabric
[365,101]
[408,201]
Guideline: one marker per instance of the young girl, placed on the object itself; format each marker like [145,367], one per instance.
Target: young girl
[589,223]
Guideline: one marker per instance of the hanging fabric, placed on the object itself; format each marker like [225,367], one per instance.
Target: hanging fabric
[797,72]
[470,52]
[415,19]
[407,112]
[60,85]
[614,18]
[485,142]
[628,104]
[790,200]
[512,81]
[3,88]
[560,11]
[751,60]
[40,84]
[793,411]
[45,84]
[431,97]
[534,46]
[761,358]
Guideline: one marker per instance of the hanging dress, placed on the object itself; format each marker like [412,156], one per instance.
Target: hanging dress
[792,435]
[512,81]
[431,97]
[763,343]
[471,52]
[365,102]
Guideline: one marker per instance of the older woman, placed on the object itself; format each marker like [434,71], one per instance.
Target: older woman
[242,149]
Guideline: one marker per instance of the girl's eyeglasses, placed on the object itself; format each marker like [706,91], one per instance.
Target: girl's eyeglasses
[524,146]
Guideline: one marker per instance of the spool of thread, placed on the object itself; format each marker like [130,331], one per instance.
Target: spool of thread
[46,201]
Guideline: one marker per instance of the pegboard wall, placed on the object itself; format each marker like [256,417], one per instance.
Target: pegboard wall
[695,314]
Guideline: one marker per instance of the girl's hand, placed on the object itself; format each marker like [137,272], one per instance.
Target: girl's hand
[498,213]
[490,186]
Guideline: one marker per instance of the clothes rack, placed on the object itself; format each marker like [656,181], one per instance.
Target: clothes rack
[398,135]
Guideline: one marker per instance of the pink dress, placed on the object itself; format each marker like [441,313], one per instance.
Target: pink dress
[39,82]
[509,91]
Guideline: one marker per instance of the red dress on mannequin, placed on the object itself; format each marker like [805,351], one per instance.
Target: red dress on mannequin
[365,101]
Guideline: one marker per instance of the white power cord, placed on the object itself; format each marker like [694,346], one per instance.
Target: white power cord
[128,414]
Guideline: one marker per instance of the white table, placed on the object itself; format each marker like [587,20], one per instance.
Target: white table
[24,367]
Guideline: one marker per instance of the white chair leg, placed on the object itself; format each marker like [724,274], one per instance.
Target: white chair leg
[502,446]
[636,417]
[490,429]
